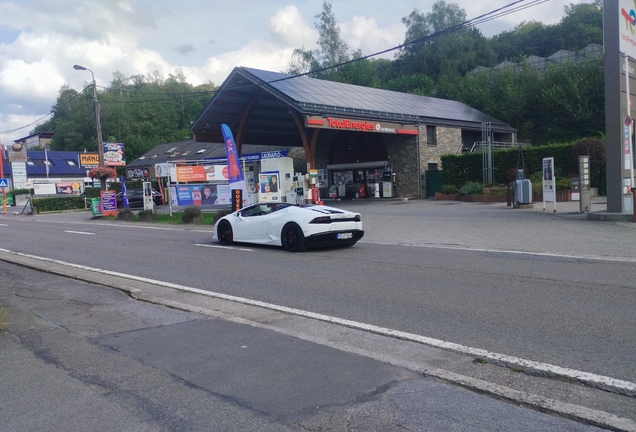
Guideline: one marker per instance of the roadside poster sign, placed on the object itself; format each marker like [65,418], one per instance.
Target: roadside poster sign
[148,202]
[96,207]
[109,203]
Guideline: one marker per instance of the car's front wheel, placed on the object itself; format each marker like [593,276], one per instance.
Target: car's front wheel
[292,238]
[224,233]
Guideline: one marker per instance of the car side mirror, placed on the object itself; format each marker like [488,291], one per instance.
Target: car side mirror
[240,217]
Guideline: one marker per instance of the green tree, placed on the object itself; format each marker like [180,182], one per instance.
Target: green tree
[331,51]
[140,111]
[455,53]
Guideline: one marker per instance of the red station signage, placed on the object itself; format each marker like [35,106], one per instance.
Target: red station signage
[359,125]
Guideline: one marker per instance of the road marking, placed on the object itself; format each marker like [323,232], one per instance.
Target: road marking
[504,251]
[598,381]
[4,225]
[79,232]
[225,247]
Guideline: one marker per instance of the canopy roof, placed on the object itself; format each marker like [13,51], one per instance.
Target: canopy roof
[264,100]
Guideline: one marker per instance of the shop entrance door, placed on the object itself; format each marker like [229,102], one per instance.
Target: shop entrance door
[433,183]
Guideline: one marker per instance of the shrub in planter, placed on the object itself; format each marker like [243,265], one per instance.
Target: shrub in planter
[191,214]
[147,215]
[449,189]
[471,188]
[125,214]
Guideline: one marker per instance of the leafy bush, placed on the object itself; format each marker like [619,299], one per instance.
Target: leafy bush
[190,214]
[562,183]
[449,189]
[58,203]
[536,179]
[21,191]
[471,188]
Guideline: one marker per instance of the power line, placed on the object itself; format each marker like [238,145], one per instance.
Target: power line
[497,13]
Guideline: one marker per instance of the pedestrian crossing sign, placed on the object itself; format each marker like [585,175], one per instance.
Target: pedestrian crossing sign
[4,183]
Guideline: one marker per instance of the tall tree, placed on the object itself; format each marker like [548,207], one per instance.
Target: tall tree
[433,54]
[140,111]
[331,51]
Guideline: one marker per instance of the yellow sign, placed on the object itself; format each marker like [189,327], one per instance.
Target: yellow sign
[89,160]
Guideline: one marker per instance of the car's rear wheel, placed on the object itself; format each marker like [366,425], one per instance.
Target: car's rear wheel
[224,233]
[292,238]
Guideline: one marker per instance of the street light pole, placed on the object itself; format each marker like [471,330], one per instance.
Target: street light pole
[100,146]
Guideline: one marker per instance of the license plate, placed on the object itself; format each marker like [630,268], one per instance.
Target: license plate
[344,236]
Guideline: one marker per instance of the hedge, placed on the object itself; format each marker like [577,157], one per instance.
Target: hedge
[461,169]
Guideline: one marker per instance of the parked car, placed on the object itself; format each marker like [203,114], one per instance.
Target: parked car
[294,227]
[136,198]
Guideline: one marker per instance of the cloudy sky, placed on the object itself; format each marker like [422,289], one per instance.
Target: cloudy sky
[41,40]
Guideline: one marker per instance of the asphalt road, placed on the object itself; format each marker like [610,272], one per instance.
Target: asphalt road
[549,288]
[562,310]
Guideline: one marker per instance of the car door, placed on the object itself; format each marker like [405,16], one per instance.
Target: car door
[252,224]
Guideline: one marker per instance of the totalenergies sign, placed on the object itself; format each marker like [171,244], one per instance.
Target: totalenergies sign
[627,27]
[359,125]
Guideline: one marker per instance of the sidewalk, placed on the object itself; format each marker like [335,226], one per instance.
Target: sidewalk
[83,357]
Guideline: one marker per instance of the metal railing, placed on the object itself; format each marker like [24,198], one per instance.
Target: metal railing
[496,145]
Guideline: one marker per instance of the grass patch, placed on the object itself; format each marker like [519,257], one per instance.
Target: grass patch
[479,360]
[208,218]
[516,369]
[3,322]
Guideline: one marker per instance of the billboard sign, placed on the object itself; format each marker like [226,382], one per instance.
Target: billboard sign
[17,152]
[88,160]
[114,154]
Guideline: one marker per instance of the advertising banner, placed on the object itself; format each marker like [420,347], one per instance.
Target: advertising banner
[268,187]
[148,202]
[549,182]
[191,174]
[236,179]
[203,194]
[71,188]
[224,194]
[114,154]
[109,203]
[44,189]
[96,207]
[137,173]
[216,172]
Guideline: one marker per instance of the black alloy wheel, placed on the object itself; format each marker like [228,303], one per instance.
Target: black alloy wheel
[292,238]
[224,233]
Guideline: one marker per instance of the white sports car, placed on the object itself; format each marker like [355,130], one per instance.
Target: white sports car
[291,226]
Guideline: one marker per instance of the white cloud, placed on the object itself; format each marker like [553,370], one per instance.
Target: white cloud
[365,34]
[41,40]
[289,27]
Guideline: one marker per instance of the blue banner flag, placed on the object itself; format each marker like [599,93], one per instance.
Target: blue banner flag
[235,173]
[124,198]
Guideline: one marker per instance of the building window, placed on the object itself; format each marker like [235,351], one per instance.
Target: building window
[432,167]
[431,136]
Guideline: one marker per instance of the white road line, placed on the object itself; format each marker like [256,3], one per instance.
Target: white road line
[620,386]
[225,247]
[79,232]
[4,225]
[504,251]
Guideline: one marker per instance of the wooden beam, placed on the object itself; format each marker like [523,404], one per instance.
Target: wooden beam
[242,119]
[303,136]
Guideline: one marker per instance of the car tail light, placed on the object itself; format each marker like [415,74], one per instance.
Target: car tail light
[321,220]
